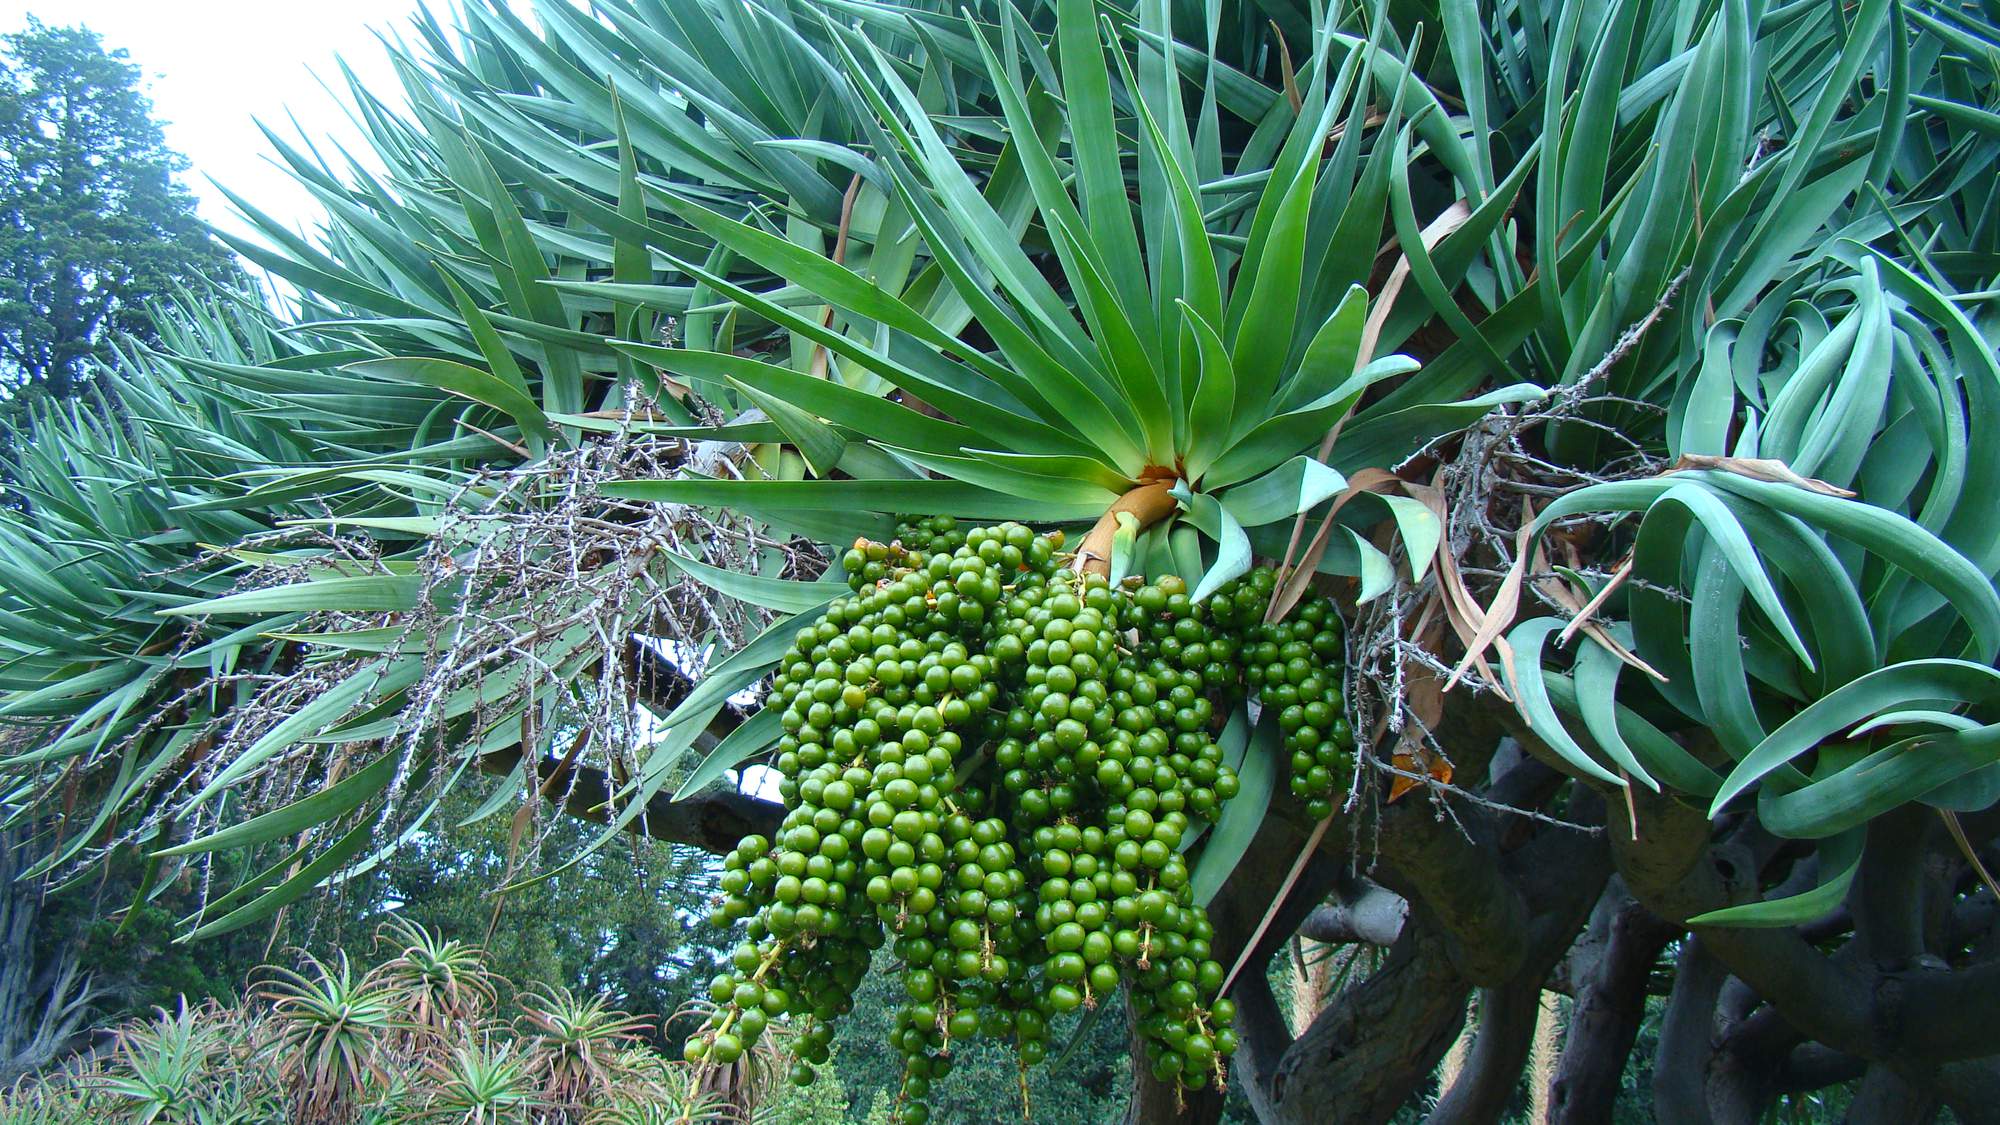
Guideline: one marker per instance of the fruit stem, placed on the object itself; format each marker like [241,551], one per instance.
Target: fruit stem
[770,959]
[1149,503]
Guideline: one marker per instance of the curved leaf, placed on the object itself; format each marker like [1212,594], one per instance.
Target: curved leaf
[751,737]
[467,382]
[1298,485]
[1839,859]
[312,810]
[1532,698]
[1244,813]
[782,594]
[364,593]
[1886,689]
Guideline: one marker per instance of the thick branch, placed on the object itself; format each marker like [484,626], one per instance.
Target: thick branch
[1971,1088]
[1611,968]
[1813,1067]
[1464,862]
[1479,913]
[1686,1037]
[1263,1035]
[1368,914]
[1919,1014]
[1378,1042]
[1561,873]
[1376,1045]
[713,822]
[1889,889]
[1672,869]
[1493,1067]
[660,686]
[1887,1096]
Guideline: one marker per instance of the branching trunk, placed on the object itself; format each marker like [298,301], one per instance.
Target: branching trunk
[1561,874]
[43,1005]
[1887,1096]
[1364,913]
[1474,898]
[1971,1089]
[1493,1066]
[1915,1013]
[1609,972]
[1686,1038]
[1375,1046]
[1485,900]
[1264,1036]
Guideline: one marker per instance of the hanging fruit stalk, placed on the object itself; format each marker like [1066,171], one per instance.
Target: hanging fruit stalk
[990,762]
[1148,503]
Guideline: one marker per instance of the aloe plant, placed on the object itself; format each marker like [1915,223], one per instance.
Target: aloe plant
[329,1029]
[314,1045]
[1543,338]
[168,1066]
[578,1045]
[438,983]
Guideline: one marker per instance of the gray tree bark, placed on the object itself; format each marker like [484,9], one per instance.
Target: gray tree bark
[1610,969]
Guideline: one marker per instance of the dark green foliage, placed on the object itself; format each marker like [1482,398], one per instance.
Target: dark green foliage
[93,225]
[1087,1087]
[622,923]
[98,952]
[134,960]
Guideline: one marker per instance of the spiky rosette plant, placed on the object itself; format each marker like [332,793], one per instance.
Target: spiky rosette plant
[1173,371]
[1186,393]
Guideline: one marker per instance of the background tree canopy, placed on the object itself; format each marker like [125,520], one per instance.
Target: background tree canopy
[93,225]
[1506,486]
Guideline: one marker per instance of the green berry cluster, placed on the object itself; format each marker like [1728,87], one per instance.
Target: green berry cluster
[1295,666]
[993,764]
[935,535]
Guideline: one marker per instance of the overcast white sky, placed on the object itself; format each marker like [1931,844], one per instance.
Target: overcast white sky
[213,66]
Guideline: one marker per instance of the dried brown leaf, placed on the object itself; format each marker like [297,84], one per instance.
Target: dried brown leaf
[1452,218]
[1424,700]
[820,358]
[1506,600]
[515,448]
[1581,613]
[1399,785]
[1285,68]
[1957,830]
[1462,610]
[1589,609]
[1756,468]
